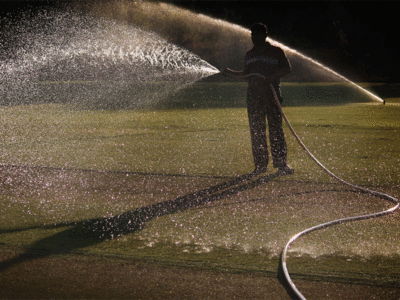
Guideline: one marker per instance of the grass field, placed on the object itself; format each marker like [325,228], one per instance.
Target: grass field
[156,187]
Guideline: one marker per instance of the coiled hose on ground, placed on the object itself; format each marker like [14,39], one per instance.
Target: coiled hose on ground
[330,223]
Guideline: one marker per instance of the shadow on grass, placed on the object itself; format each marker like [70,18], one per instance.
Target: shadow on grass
[93,231]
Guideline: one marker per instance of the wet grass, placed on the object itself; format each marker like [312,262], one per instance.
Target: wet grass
[159,179]
[360,142]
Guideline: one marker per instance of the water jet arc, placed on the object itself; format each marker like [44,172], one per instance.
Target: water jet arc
[286,48]
[302,56]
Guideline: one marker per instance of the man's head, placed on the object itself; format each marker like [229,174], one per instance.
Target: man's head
[258,34]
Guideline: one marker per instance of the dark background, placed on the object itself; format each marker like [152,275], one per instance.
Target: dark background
[356,38]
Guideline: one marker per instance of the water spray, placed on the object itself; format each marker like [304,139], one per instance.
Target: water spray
[246,32]
[115,65]
[286,48]
[165,17]
[330,223]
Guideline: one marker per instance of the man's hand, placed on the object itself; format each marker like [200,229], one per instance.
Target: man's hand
[229,72]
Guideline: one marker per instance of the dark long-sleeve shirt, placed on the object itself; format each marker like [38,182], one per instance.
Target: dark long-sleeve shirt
[269,61]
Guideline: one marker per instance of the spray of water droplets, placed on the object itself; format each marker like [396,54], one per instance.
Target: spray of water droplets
[121,65]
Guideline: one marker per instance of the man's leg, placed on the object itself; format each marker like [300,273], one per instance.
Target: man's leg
[258,126]
[276,135]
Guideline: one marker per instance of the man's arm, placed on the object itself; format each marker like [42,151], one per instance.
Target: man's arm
[232,73]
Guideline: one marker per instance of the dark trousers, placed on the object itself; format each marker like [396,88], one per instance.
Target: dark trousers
[261,106]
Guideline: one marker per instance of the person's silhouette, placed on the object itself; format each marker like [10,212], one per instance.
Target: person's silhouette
[270,62]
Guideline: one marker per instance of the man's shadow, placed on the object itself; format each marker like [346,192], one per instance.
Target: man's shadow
[93,231]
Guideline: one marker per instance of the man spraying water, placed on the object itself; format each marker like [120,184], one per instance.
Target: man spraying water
[271,63]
